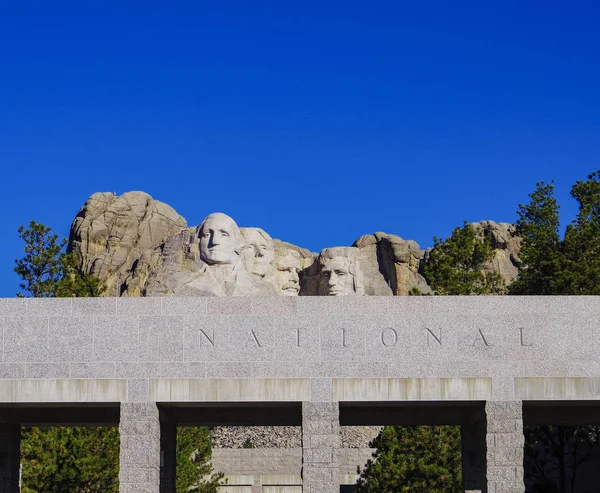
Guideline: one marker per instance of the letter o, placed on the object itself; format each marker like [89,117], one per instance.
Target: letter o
[394,337]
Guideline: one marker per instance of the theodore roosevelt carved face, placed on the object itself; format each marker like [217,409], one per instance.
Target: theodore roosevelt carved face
[258,254]
[288,269]
[220,239]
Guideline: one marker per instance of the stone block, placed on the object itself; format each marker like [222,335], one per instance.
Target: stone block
[502,473]
[25,339]
[189,306]
[316,456]
[92,370]
[70,339]
[236,305]
[161,338]
[128,307]
[47,370]
[91,307]
[44,307]
[13,307]
[321,390]
[116,339]
[138,390]
[271,305]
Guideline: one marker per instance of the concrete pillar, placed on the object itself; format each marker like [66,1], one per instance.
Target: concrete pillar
[473,445]
[320,447]
[139,460]
[168,451]
[10,457]
[505,442]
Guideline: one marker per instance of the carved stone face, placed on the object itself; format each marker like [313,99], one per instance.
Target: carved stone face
[220,240]
[288,268]
[336,277]
[258,253]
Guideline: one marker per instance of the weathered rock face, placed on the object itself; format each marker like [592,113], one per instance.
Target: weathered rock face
[139,246]
[119,239]
[398,261]
[507,246]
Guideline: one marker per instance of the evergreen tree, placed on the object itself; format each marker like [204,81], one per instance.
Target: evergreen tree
[194,469]
[581,273]
[414,459]
[555,454]
[41,268]
[458,265]
[60,459]
[541,250]
[46,270]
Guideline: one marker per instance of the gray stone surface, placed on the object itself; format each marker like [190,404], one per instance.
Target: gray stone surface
[505,443]
[139,463]
[318,350]
[320,447]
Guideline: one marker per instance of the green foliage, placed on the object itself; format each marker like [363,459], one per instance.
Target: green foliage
[194,469]
[74,282]
[581,273]
[248,443]
[415,459]
[457,265]
[57,459]
[552,266]
[48,271]
[41,268]
[541,254]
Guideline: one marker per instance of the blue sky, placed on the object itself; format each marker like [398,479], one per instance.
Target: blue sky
[318,121]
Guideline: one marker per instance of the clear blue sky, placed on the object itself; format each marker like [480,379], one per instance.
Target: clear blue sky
[318,121]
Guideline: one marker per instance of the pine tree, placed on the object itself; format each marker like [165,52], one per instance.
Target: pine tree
[458,264]
[194,469]
[414,459]
[541,249]
[46,270]
[581,273]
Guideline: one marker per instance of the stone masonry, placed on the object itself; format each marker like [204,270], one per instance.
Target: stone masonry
[139,464]
[505,443]
[320,447]
[479,362]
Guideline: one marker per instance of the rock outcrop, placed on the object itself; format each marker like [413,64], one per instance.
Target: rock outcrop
[139,246]
[120,239]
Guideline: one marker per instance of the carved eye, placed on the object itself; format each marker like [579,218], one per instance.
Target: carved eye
[326,275]
[340,272]
[224,233]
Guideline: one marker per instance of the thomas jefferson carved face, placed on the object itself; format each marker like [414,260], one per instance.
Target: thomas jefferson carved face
[220,240]
[258,253]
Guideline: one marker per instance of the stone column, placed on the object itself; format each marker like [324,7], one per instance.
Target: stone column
[139,460]
[168,451]
[10,457]
[473,438]
[505,442]
[320,447]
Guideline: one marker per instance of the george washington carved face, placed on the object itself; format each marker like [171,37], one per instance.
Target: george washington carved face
[220,240]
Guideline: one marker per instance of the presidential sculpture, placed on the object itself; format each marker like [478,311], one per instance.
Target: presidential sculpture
[139,246]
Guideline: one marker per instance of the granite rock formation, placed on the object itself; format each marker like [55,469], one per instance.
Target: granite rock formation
[120,239]
[139,246]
